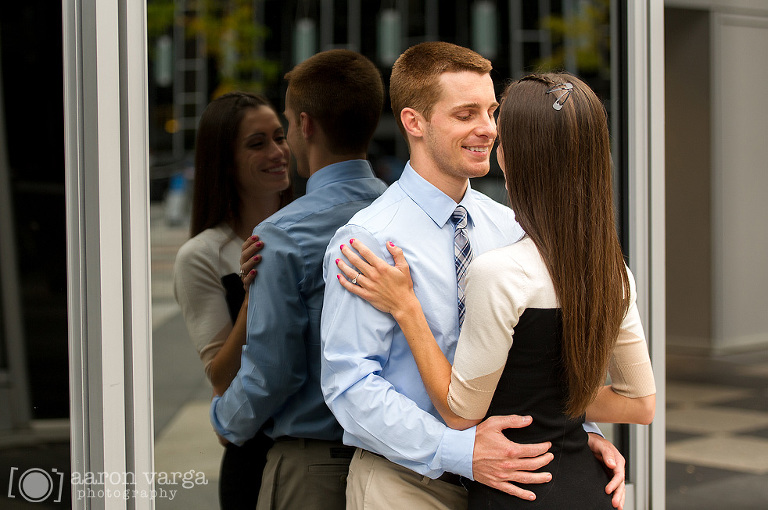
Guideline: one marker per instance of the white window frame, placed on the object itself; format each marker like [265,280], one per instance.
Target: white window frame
[108,240]
[107,190]
[646,234]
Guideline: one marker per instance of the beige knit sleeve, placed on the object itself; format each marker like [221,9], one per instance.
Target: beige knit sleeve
[200,294]
[630,367]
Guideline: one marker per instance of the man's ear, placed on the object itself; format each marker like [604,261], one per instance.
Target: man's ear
[307,125]
[413,122]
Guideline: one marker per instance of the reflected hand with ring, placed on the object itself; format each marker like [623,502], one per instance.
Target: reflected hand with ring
[388,288]
[248,260]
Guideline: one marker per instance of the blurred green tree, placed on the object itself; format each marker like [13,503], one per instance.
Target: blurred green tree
[582,39]
[232,39]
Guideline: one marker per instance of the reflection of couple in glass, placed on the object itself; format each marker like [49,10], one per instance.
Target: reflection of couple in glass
[264,363]
[542,314]
[241,178]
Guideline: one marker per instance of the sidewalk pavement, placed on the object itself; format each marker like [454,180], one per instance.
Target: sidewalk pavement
[717,432]
[184,438]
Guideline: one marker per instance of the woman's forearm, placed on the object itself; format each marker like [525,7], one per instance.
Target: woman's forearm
[434,368]
[610,407]
[226,362]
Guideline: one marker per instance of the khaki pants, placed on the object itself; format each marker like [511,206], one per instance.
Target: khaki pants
[305,474]
[377,483]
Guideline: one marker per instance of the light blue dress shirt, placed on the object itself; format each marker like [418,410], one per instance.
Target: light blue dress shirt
[369,377]
[279,377]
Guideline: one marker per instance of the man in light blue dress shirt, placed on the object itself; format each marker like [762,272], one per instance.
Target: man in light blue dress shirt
[333,104]
[406,455]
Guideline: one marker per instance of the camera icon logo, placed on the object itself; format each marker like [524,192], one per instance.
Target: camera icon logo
[36,485]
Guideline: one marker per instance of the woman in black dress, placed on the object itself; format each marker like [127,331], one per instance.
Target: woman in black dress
[241,178]
[547,317]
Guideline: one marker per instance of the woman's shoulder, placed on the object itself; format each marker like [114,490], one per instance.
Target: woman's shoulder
[521,256]
[517,272]
[207,245]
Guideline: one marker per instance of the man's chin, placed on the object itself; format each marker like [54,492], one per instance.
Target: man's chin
[479,170]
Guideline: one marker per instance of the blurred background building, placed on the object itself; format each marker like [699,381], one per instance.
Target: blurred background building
[709,333]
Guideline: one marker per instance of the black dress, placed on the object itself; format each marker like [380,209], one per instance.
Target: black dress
[241,466]
[532,384]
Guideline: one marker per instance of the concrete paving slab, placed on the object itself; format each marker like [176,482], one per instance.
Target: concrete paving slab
[687,394]
[736,453]
[714,420]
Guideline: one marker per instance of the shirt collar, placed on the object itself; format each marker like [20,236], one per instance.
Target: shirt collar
[432,201]
[337,172]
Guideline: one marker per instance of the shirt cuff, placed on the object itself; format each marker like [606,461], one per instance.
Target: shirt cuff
[591,427]
[456,450]
[220,430]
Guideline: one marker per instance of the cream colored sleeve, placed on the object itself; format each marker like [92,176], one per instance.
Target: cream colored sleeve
[630,366]
[198,289]
[495,299]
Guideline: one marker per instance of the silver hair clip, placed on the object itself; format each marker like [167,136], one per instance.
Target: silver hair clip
[566,89]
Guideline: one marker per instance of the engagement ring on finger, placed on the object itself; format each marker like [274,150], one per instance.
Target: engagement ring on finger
[242,274]
[354,280]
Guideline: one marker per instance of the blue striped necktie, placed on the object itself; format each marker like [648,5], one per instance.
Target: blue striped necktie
[462,254]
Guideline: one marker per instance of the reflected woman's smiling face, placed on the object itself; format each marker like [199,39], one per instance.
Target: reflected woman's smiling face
[261,154]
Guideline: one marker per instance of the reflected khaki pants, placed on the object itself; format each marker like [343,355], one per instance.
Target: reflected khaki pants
[305,474]
[376,483]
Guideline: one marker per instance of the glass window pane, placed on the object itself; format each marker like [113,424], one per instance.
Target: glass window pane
[197,55]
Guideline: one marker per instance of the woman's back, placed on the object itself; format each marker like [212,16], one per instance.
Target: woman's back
[513,335]
[532,384]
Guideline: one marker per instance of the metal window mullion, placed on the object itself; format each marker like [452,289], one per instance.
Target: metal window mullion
[136,249]
[657,215]
[107,234]
[76,308]
[646,228]
[94,245]
[637,128]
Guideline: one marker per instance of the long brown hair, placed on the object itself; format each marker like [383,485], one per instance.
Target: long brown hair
[557,164]
[215,198]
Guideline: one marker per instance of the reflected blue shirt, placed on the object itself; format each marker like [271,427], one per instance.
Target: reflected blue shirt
[279,376]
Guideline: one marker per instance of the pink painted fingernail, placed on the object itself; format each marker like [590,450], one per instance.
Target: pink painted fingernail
[253,238]
[391,244]
[351,241]
[253,272]
[259,244]
[257,257]
[338,277]
[337,263]
[341,247]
